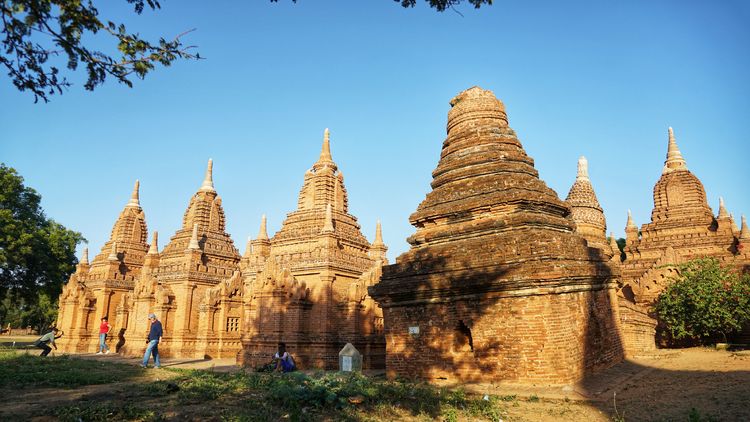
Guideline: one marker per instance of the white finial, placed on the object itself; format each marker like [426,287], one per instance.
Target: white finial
[674,156]
[154,248]
[113,252]
[134,197]
[325,151]
[328,225]
[745,232]
[583,169]
[631,224]
[208,181]
[194,238]
[85,257]
[263,233]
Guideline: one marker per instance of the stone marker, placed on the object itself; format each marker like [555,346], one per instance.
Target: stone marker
[350,359]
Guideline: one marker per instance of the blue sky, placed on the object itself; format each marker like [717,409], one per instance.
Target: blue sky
[602,79]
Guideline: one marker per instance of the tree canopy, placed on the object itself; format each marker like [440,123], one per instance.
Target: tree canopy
[35,31]
[37,254]
[705,300]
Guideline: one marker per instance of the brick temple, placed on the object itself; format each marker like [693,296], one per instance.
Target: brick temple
[682,227]
[307,286]
[503,279]
[497,284]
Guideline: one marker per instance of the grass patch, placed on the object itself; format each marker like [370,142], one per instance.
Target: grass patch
[342,396]
[24,370]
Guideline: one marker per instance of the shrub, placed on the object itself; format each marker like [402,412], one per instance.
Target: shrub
[704,300]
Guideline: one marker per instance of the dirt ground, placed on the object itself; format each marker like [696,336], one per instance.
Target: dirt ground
[663,387]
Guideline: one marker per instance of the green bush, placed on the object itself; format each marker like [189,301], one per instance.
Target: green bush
[706,299]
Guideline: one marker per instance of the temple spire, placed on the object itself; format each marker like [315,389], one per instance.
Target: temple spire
[113,252]
[735,229]
[583,169]
[613,244]
[631,224]
[208,181]
[325,151]
[134,197]
[263,234]
[154,248]
[722,210]
[745,232]
[378,235]
[85,257]
[674,156]
[328,225]
[194,238]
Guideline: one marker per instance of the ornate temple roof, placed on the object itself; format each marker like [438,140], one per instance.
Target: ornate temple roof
[585,209]
[203,230]
[322,209]
[127,243]
[679,195]
[489,221]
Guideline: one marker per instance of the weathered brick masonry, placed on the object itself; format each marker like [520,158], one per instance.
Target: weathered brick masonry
[496,285]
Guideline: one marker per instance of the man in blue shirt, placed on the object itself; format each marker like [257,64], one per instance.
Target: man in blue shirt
[154,337]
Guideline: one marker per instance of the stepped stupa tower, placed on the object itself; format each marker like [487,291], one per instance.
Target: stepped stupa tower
[585,209]
[497,285]
[98,289]
[307,286]
[193,285]
[682,228]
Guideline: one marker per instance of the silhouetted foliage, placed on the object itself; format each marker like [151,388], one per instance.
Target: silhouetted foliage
[706,299]
[621,242]
[37,254]
[36,30]
[439,5]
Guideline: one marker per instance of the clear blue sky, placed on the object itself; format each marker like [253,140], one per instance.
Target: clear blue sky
[602,79]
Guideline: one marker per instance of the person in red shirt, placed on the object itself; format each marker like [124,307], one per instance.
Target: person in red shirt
[104,329]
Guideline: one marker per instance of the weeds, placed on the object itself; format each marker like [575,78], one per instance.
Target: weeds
[23,370]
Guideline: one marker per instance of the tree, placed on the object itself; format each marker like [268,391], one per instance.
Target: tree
[36,30]
[37,254]
[704,300]
[442,5]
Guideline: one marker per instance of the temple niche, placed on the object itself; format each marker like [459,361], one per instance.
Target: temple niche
[497,284]
[102,288]
[307,286]
[683,227]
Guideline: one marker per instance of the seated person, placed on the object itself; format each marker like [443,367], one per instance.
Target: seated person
[283,360]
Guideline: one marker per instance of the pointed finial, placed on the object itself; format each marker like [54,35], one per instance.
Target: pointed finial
[194,238]
[263,234]
[733,223]
[208,181]
[113,252]
[85,257]
[613,243]
[248,246]
[583,169]
[134,202]
[325,151]
[745,232]
[722,210]
[328,225]
[378,235]
[674,156]
[631,224]
[154,248]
